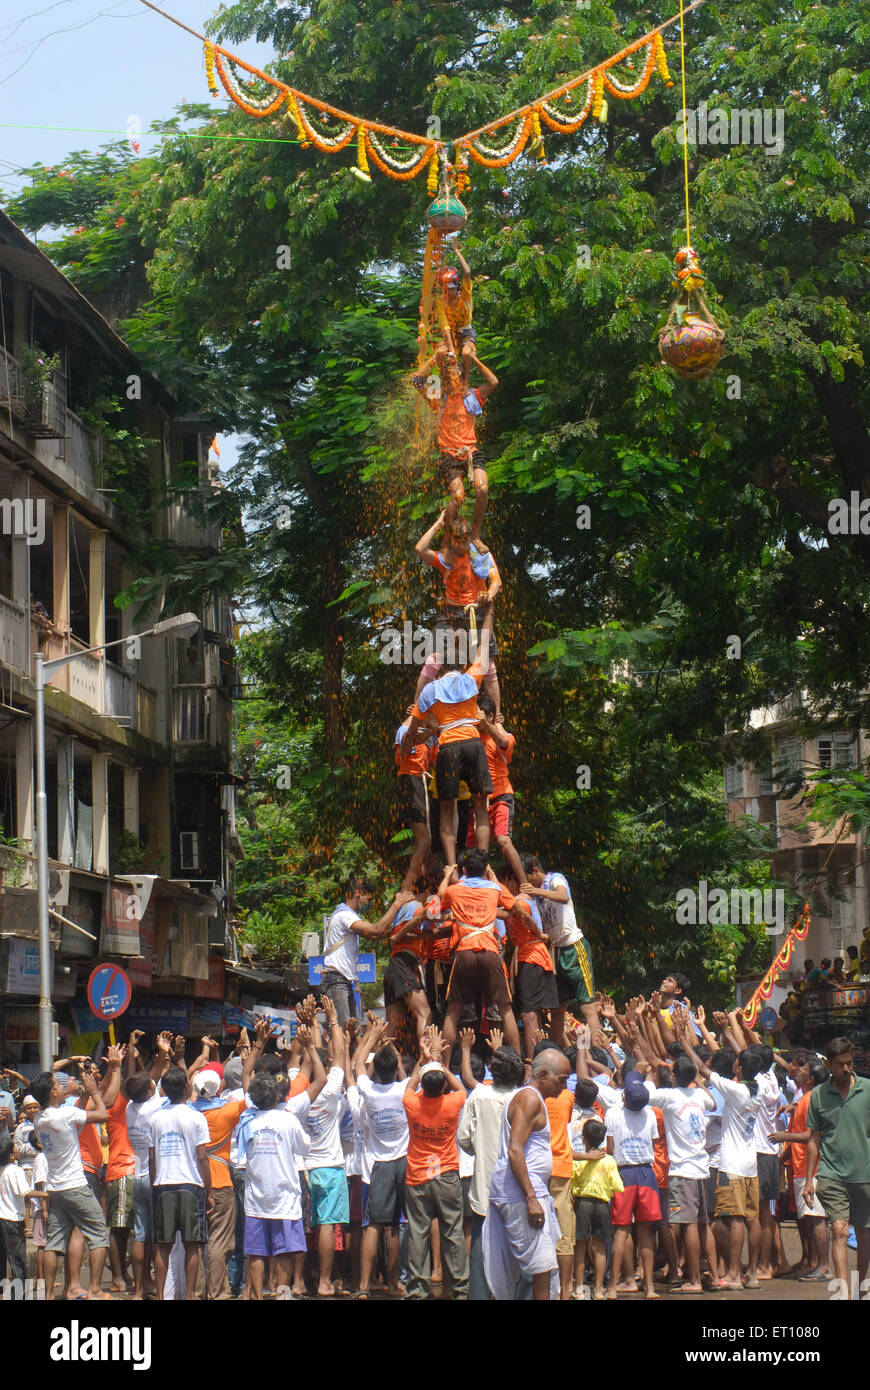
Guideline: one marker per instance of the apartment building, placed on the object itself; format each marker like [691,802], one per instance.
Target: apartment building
[806,854]
[141,830]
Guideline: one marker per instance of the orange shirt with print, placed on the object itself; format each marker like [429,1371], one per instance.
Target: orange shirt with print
[474,909]
[221,1122]
[122,1160]
[461,585]
[432,1125]
[531,949]
[456,431]
[559,1110]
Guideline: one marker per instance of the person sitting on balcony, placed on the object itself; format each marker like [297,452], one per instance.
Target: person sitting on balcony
[853,969]
[819,975]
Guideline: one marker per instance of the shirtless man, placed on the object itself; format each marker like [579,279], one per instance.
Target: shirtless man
[521,1231]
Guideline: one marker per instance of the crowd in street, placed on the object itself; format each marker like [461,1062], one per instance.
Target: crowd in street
[611,1154]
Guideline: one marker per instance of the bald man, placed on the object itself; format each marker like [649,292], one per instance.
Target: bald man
[521,1231]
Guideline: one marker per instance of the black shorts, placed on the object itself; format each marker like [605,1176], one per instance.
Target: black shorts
[478,978]
[466,335]
[462,761]
[411,805]
[180,1207]
[450,467]
[401,976]
[591,1218]
[386,1200]
[536,988]
[768,1177]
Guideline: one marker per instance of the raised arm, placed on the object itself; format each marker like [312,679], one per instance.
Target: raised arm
[466,1042]
[110,1086]
[490,380]
[255,1052]
[423,548]
[376,931]
[92,1096]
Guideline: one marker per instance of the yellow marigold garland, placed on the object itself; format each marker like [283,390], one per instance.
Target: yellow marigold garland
[661,61]
[209,68]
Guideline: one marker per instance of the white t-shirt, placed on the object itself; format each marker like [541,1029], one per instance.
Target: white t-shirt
[633,1134]
[323,1123]
[737,1150]
[765,1120]
[277,1145]
[344,957]
[386,1120]
[714,1131]
[559,920]
[138,1116]
[607,1094]
[39,1175]
[13,1185]
[175,1134]
[58,1131]
[684,1111]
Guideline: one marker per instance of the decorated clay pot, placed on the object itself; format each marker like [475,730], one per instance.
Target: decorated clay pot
[446,214]
[692,348]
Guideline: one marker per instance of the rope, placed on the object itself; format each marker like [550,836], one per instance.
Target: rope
[685,120]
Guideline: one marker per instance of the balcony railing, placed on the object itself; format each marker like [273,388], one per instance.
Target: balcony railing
[44,413]
[201,714]
[83,450]
[97,683]
[13,635]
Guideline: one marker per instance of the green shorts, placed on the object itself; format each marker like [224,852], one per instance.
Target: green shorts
[574,976]
[845,1201]
[119,1203]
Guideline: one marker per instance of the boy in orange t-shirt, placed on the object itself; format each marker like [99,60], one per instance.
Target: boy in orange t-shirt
[456,404]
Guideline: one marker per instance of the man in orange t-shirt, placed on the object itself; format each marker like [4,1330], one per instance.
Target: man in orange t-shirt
[499,747]
[448,706]
[478,977]
[433,1190]
[456,404]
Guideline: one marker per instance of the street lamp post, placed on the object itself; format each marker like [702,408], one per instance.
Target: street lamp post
[181,626]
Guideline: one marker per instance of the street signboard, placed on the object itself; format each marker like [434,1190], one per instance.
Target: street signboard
[109,992]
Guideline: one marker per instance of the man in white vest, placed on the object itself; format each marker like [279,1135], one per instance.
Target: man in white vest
[341,945]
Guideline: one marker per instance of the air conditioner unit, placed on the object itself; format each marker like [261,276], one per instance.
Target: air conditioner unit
[188,849]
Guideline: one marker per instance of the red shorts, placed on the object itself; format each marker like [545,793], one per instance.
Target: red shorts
[501,818]
[638,1202]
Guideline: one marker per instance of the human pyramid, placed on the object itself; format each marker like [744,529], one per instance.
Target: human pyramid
[454,738]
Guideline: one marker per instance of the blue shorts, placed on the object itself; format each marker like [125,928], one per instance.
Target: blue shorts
[143,1210]
[330,1203]
[266,1235]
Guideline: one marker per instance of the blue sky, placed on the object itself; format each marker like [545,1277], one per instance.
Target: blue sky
[93,64]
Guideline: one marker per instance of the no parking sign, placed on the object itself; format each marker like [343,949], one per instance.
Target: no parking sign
[109,993]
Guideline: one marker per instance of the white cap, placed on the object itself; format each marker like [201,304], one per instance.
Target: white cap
[207,1082]
[29,1100]
[428,1069]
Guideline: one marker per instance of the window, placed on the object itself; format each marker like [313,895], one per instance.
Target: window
[765,778]
[789,767]
[188,846]
[836,750]
[733,780]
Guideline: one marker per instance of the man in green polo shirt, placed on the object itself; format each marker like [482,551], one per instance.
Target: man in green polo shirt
[839,1123]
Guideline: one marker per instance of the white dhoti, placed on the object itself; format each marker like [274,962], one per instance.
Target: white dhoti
[511,1247]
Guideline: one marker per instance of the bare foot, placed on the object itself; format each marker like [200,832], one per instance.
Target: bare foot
[99,1297]
[651,1293]
[326,1291]
[627,1288]
[119,1288]
[611,1293]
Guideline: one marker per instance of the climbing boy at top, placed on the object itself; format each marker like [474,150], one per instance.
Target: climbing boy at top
[454,307]
[456,404]
[471,581]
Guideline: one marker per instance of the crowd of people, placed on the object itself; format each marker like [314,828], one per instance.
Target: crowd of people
[644,1151]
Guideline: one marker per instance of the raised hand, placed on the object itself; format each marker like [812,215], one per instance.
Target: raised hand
[164,1043]
[330,1010]
[496,1039]
[701,1015]
[584,1037]
[89,1083]
[262,1029]
[466,1039]
[304,1035]
[179,1045]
